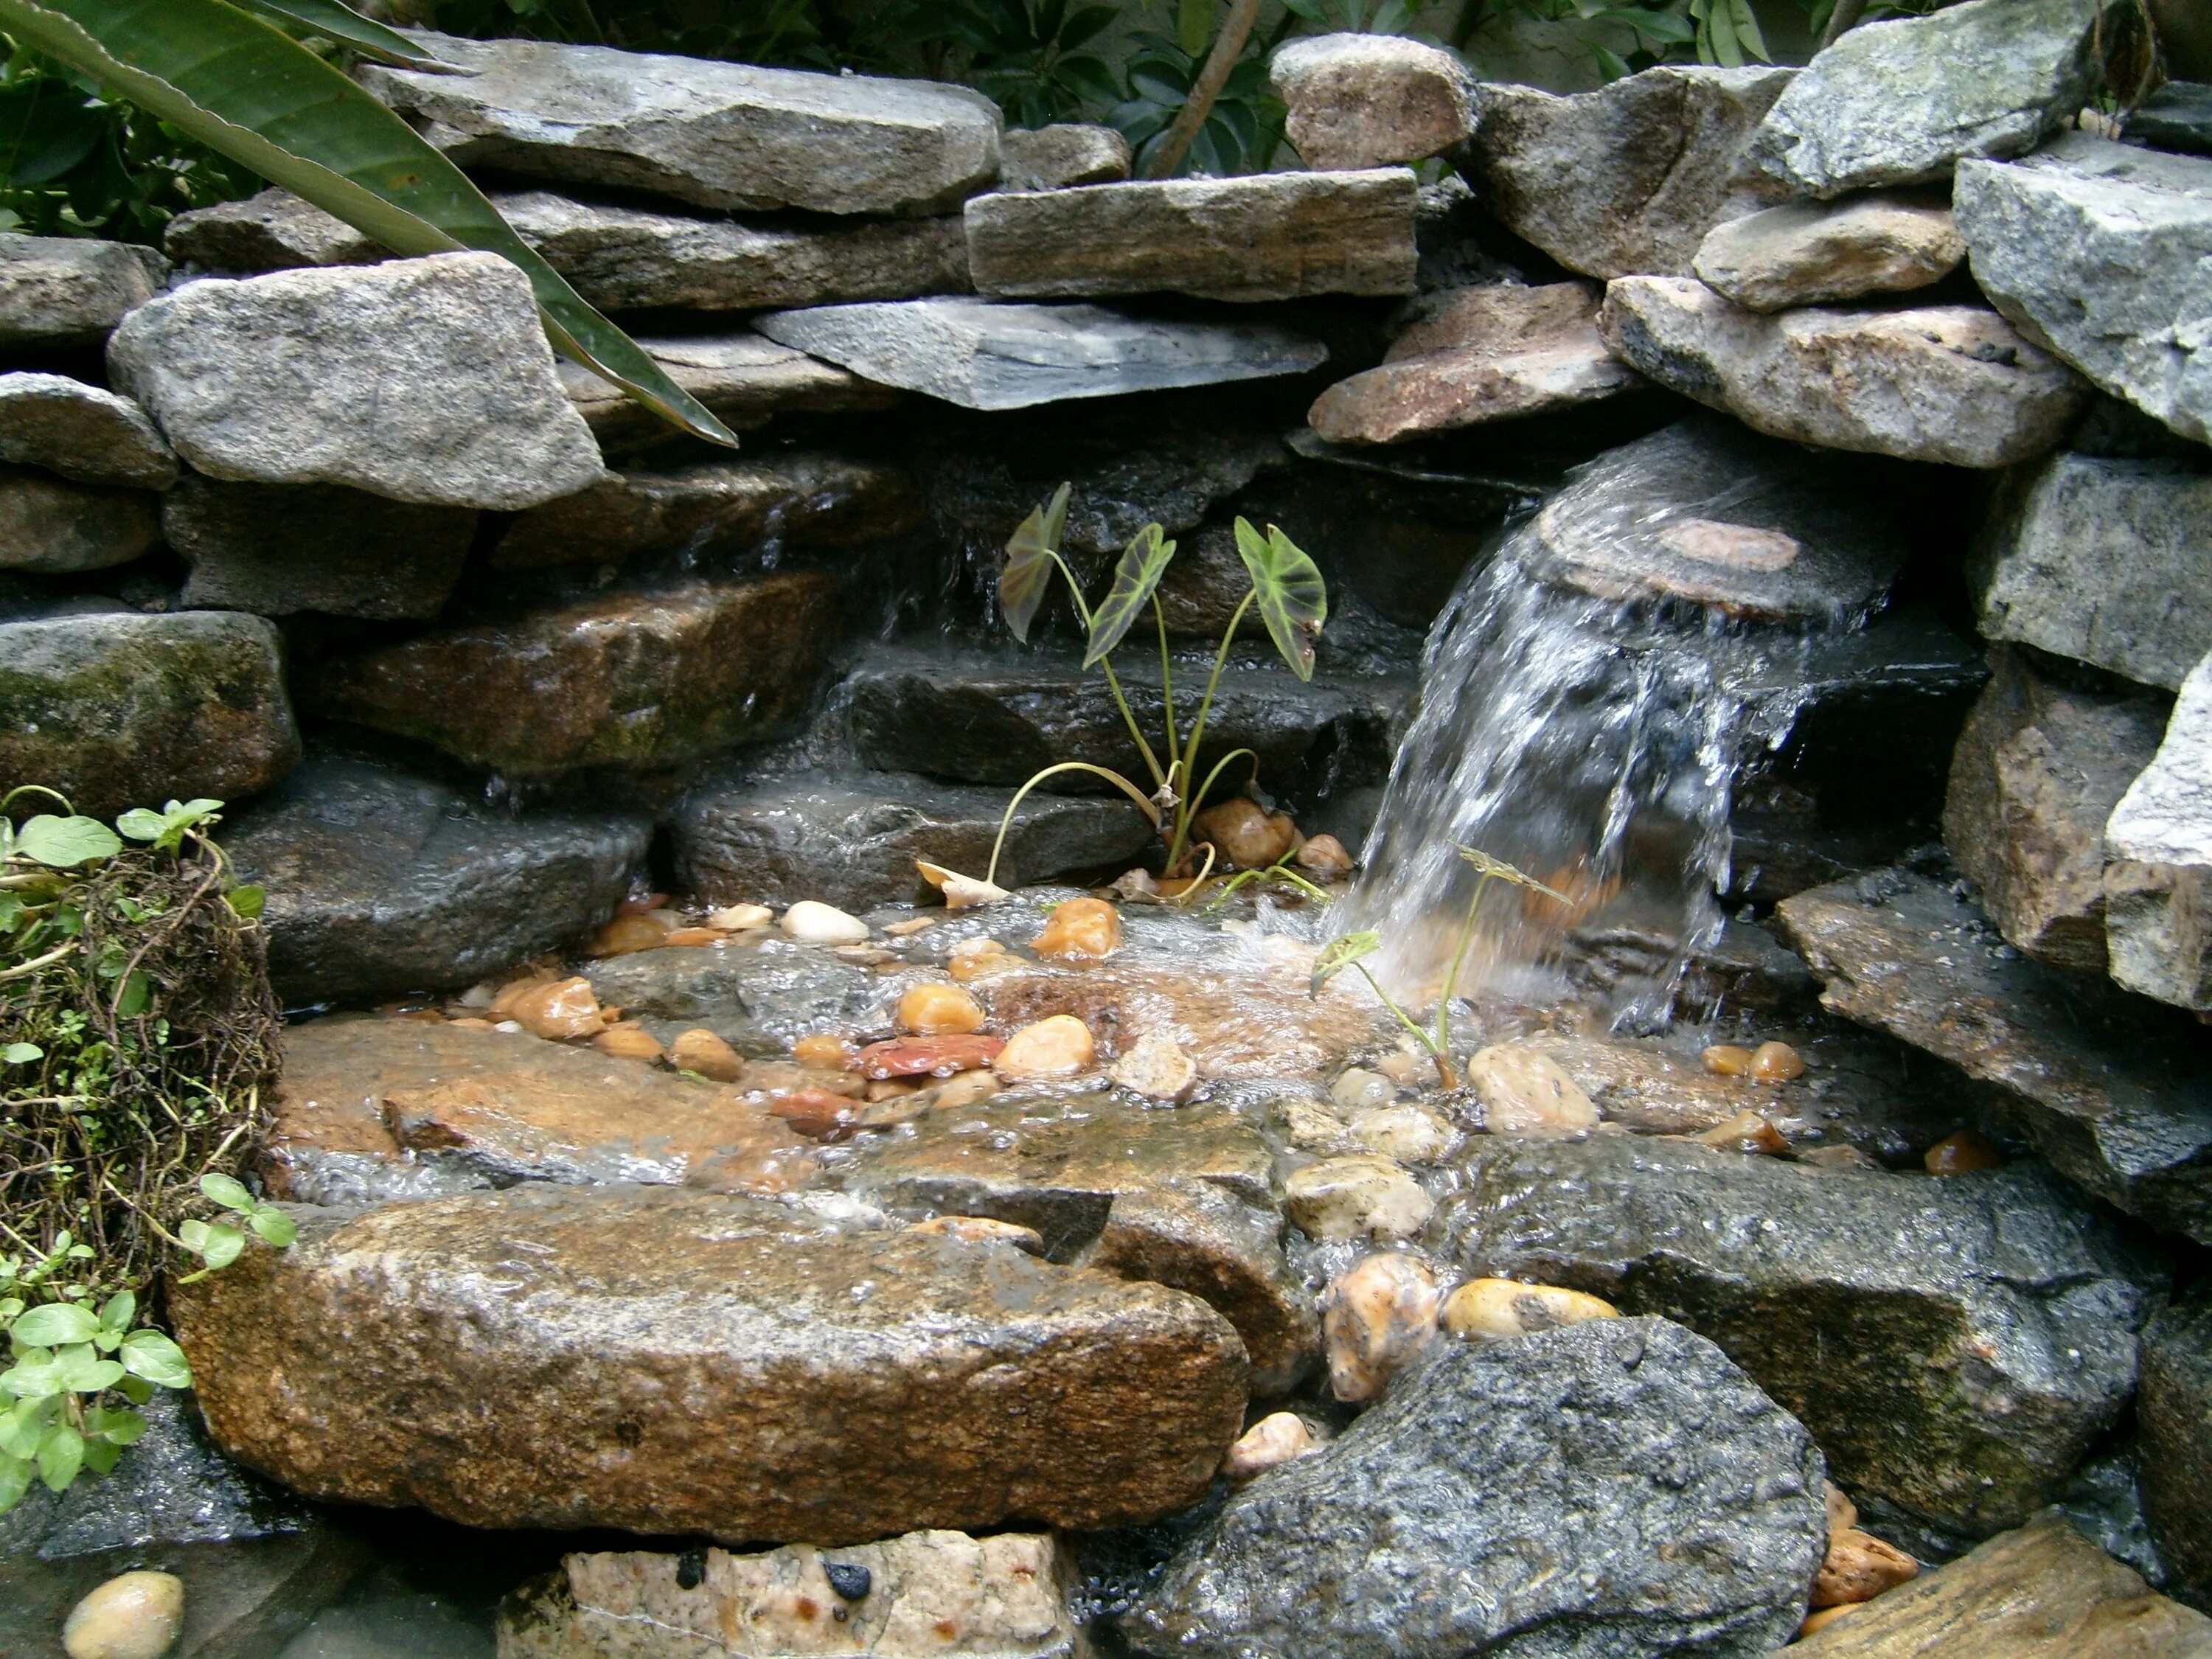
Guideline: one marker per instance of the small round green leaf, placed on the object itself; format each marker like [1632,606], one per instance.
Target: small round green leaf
[65,843]
[54,1325]
[274,1226]
[228,1191]
[21,1054]
[150,1355]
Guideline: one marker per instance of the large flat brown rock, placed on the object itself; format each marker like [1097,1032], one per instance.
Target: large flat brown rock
[677,1362]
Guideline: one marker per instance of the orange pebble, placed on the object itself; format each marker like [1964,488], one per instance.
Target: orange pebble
[1777,1062]
[1079,929]
[701,1051]
[630,932]
[821,1050]
[629,1042]
[1728,1059]
[939,1011]
[694,936]
[1962,1154]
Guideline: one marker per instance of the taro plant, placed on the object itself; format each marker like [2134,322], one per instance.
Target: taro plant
[140,1033]
[1285,588]
[1351,951]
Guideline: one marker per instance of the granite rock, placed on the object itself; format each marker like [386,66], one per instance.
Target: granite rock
[1630,178]
[427,381]
[1371,101]
[81,432]
[2177,116]
[1948,384]
[54,528]
[71,290]
[273,231]
[1808,254]
[1265,236]
[2158,888]
[984,354]
[1064,154]
[277,549]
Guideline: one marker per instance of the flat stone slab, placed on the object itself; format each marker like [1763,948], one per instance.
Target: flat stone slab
[719,134]
[272,231]
[1806,254]
[427,381]
[629,258]
[1950,384]
[82,432]
[744,380]
[2046,233]
[1371,101]
[118,710]
[2158,888]
[380,882]
[984,354]
[2177,116]
[54,527]
[2044,1592]
[71,290]
[1905,102]
[1956,1346]
[1266,236]
[2097,558]
[625,677]
[368,556]
[659,1359]
[1628,178]
[1478,354]
[1063,154]
[2118,1099]
[1613,1488]
[1702,512]
[2177,1465]
[852,842]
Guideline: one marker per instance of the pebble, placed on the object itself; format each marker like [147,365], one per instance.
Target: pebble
[626,1043]
[1277,1438]
[700,1050]
[1358,1196]
[1357,1089]
[1137,887]
[815,1112]
[889,1089]
[1245,833]
[1777,1062]
[1524,1091]
[1962,1154]
[1315,1128]
[1826,1616]
[1081,929]
[1842,1512]
[1860,1567]
[739,918]
[645,930]
[1376,1318]
[559,1011]
[1156,1067]
[939,1011]
[963,1089]
[1409,1134]
[979,958]
[812,922]
[939,1056]
[1486,1307]
[693,938]
[136,1615]
[1838,1157]
[1406,1066]
[822,1049]
[912,925]
[982,1229]
[1746,1132]
[1324,856]
[1728,1059]
[1059,1047]
[960,892]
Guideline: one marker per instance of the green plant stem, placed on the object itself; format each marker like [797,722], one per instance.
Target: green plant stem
[1167,678]
[1129,720]
[1447,1073]
[1841,20]
[1187,810]
[1228,46]
[1144,804]
[1459,959]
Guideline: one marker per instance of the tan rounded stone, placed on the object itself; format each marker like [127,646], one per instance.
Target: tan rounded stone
[135,1615]
[982,1229]
[1156,1067]
[1278,1438]
[1485,1307]
[1746,1132]
[1962,1154]
[739,918]
[695,938]
[1726,1059]
[1408,1134]
[1376,1317]
[822,1049]
[1081,929]
[964,1089]
[1524,1091]
[1355,1197]
[1777,1062]
[1245,834]
[647,930]
[559,1011]
[936,1010]
[627,1042]
[1324,856]
[700,1050]
[1859,1567]
[1816,1622]
[1059,1047]
[811,922]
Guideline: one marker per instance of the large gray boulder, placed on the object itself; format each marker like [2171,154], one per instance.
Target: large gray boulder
[382,883]
[2158,888]
[1950,384]
[1955,1345]
[746,381]
[2101,559]
[427,381]
[2097,251]
[1268,236]
[2039,769]
[56,528]
[718,135]
[1616,1487]
[2171,1412]
[983,354]
[2115,1092]
[118,710]
[82,432]
[629,258]
[1371,101]
[853,842]
[276,550]
[1629,178]
[673,1361]
[1903,101]
[71,290]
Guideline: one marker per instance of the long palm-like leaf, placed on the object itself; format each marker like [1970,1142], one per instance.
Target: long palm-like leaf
[1138,572]
[244,88]
[344,25]
[1292,598]
[1030,559]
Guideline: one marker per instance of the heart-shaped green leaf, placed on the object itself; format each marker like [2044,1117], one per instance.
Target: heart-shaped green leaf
[228,1192]
[1340,954]
[64,843]
[1136,574]
[1293,598]
[1029,556]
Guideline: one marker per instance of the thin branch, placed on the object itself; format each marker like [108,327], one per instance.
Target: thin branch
[1845,16]
[1205,90]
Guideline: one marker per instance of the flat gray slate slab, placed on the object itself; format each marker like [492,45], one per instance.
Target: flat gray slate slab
[82,432]
[981,354]
[719,135]
[2099,250]
[743,379]
[1270,236]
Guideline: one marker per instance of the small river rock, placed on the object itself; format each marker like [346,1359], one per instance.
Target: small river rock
[1957,1346]
[1358,1196]
[71,290]
[1371,101]
[1378,1318]
[973,1383]
[1615,1487]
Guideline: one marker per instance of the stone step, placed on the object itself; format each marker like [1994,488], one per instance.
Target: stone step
[746,381]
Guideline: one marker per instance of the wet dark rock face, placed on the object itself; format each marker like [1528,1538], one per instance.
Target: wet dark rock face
[1615,1488]
[2177,1465]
